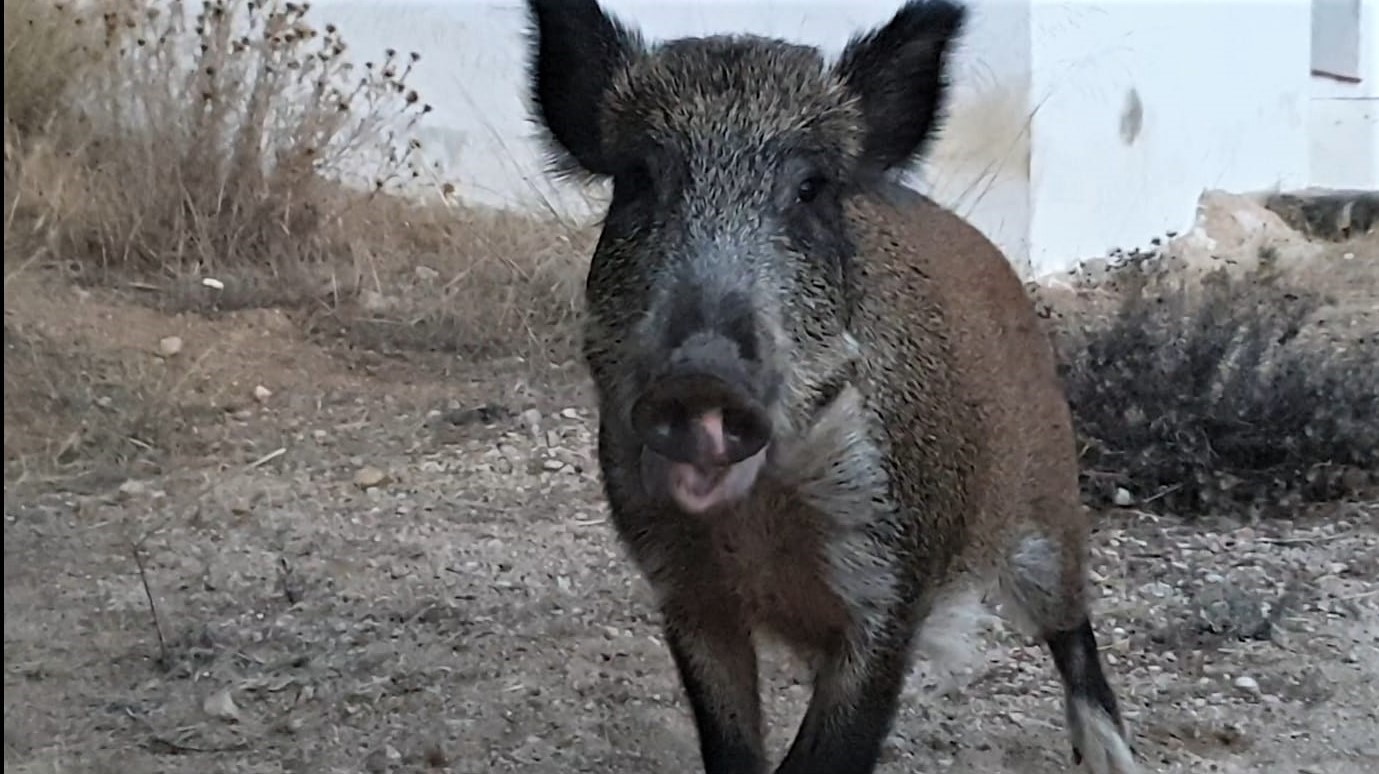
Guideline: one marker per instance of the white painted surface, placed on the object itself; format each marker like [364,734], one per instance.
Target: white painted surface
[1223,88]
[1034,152]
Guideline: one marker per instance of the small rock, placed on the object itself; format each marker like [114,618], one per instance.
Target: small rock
[427,274]
[213,283]
[570,413]
[552,464]
[1123,498]
[132,488]
[262,393]
[382,759]
[373,301]
[369,477]
[1247,684]
[221,705]
[169,346]
[532,419]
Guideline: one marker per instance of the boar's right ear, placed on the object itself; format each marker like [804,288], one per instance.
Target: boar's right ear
[575,50]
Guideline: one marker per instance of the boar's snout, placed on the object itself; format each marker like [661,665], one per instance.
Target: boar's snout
[702,424]
[700,409]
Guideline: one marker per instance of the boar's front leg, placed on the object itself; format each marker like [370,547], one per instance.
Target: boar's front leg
[713,652]
[856,694]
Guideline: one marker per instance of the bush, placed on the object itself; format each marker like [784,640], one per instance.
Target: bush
[219,139]
[1212,396]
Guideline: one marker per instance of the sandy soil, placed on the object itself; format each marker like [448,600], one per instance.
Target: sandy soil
[402,564]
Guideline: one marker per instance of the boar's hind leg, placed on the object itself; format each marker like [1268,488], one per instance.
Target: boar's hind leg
[1045,578]
[1098,733]
[714,655]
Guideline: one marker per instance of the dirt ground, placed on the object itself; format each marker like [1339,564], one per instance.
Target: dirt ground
[402,564]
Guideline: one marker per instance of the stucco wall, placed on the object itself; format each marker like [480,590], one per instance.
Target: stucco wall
[1142,105]
[1046,149]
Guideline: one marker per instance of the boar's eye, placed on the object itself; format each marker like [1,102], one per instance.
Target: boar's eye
[810,188]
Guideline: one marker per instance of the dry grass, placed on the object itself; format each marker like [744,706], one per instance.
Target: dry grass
[85,420]
[1213,397]
[514,289]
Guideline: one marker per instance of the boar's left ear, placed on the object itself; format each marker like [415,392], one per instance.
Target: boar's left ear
[574,52]
[898,71]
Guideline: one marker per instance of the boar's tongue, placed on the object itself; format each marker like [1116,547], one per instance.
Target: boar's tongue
[698,490]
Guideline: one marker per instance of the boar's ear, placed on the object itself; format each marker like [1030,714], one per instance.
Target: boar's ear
[574,52]
[898,71]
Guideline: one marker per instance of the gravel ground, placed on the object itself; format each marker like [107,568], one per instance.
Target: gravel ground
[414,586]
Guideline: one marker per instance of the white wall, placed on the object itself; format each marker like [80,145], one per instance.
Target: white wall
[1222,91]
[1041,150]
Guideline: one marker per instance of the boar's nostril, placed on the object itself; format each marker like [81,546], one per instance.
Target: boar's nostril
[745,432]
[701,420]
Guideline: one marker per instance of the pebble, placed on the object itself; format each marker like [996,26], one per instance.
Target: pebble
[262,393]
[369,477]
[382,760]
[169,346]
[1247,684]
[221,705]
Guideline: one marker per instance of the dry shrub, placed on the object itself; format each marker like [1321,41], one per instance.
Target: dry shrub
[219,141]
[1214,396]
